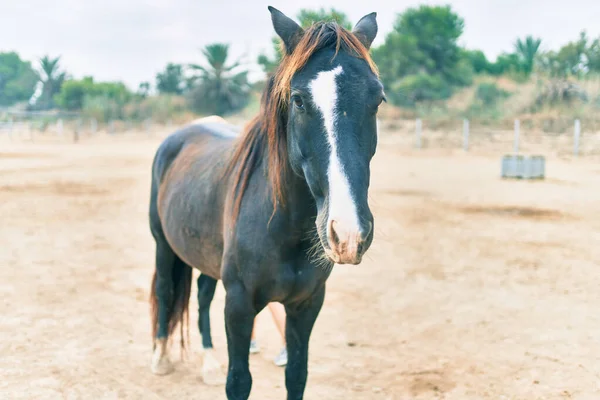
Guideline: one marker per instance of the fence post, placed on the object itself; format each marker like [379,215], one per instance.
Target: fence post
[59,127]
[418,129]
[10,128]
[576,138]
[78,129]
[516,144]
[465,134]
[94,125]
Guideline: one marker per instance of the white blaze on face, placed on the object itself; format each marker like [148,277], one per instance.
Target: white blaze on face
[341,204]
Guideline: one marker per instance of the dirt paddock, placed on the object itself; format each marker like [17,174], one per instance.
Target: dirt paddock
[475,287]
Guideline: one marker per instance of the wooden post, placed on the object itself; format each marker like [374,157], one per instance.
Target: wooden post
[577,137]
[516,143]
[94,125]
[466,134]
[10,128]
[418,129]
[78,129]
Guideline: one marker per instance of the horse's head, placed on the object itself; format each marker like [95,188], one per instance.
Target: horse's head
[332,128]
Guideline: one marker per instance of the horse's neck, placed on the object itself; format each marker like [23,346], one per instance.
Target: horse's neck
[300,205]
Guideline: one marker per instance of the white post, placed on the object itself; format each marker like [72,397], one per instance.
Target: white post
[516,144]
[94,125]
[418,132]
[59,127]
[10,128]
[576,138]
[111,127]
[147,126]
[465,134]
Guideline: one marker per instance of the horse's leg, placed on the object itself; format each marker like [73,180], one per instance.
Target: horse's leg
[239,320]
[163,294]
[300,320]
[212,374]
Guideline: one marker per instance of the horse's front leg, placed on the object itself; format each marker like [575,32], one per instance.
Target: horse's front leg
[239,319]
[300,320]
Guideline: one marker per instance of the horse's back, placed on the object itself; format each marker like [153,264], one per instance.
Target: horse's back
[188,174]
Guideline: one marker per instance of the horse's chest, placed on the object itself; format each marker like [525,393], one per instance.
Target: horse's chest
[304,281]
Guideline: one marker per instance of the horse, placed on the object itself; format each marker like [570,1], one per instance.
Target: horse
[271,208]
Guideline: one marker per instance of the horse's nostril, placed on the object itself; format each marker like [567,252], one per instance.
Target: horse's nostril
[365,231]
[334,239]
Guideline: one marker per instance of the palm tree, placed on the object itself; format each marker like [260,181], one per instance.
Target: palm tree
[217,89]
[527,51]
[52,79]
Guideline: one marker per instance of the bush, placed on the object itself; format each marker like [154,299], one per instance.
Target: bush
[489,94]
[412,89]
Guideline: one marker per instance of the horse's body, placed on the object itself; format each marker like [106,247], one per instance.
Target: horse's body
[263,212]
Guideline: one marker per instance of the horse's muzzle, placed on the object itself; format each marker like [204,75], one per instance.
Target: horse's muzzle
[347,243]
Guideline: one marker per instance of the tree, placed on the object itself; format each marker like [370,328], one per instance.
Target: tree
[306,17]
[420,59]
[75,93]
[218,89]
[143,90]
[478,61]
[171,80]
[527,51]
[17,79]
[52,79]
[571,59]
[593,56]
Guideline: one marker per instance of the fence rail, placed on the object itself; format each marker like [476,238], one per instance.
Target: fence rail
[412,134]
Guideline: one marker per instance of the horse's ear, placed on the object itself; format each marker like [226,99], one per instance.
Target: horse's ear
[288,30]
[366,29]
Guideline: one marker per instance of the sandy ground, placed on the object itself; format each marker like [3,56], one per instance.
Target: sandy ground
[474,288]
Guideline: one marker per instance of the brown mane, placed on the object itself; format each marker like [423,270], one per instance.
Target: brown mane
[266,133]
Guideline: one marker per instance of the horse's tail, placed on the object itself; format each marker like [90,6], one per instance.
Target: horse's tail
[178,310]
[177,291]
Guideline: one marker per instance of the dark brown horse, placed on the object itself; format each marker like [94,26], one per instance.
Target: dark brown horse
[271,211]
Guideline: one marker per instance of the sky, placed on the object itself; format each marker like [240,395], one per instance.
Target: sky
[132,40]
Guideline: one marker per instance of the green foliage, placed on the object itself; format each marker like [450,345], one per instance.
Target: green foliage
[17,79]
[305,17]
[593,56]
[488,94]
[218,89]
[52,79]
[412,89]
[143,90]
[171,80]
[570,60]
[105,98]
[527,51]
[478,61]
[421,60]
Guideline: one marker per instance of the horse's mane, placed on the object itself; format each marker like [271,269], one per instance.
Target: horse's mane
[265,135]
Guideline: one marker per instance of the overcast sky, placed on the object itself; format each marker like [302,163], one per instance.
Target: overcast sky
[131,40]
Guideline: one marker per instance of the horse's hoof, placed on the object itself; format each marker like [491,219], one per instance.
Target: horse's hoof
[212,372]
[161,365]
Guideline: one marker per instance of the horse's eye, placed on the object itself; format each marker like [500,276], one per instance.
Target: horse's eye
[298,103]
